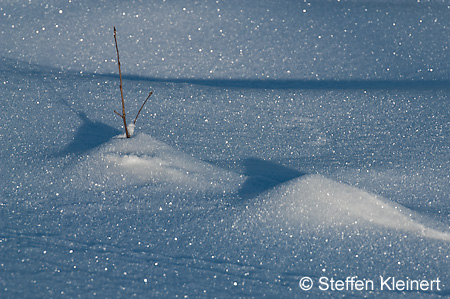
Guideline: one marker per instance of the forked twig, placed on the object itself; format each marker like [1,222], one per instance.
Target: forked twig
[123,116]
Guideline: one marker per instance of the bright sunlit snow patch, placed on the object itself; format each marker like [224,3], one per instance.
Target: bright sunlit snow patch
[317,202]
[130,128]
[144,160]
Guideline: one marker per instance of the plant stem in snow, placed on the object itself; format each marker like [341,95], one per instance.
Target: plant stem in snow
[121,90]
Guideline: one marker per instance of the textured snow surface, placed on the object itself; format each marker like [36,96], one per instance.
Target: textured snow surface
[143,160]
[284,139]
[314,201]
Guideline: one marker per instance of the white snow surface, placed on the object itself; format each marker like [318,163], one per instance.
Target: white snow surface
[142,160]
[284,139]
[318,202]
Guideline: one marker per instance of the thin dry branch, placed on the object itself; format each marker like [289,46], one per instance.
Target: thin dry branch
[121,89]
[134,122]
[123,115]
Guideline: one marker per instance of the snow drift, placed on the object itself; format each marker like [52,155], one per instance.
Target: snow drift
[142,160]
[316,203]
[335,91]
[312,201]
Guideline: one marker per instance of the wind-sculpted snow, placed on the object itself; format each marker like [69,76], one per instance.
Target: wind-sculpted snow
[284,140]
[316,203]
[142,160]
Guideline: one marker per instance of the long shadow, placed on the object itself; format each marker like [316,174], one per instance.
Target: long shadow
[8,65]
[298,83]
[263,175]
[88,136]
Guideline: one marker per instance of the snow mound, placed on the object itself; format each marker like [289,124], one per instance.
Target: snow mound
[318,203]
[142,160]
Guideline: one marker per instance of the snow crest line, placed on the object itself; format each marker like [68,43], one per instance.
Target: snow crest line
[322,202]
[301,199]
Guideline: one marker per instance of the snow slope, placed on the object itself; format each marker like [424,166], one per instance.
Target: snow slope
[143,160]
[283,140]
[320,203]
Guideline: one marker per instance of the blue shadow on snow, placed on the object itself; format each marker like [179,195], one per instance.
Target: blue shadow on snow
[89,135]
[303,84]
[263,175]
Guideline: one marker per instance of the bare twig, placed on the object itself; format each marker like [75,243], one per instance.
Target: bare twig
[123,116]
[121,89]
[134,122]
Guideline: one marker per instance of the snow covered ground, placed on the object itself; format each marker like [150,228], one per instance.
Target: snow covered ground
[284,140]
